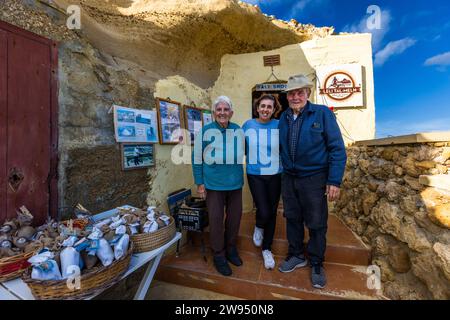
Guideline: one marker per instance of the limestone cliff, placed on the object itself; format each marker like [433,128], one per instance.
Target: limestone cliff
[186,38]
[120,54]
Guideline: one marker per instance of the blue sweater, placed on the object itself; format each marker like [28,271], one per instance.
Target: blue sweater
[216,160]
[262,157]
[320,147]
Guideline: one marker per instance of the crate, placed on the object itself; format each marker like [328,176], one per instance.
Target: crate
[192,219]
[190,213]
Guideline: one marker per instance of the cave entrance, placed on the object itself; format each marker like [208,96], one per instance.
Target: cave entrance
[274,88]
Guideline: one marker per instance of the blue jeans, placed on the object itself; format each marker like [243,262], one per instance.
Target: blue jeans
[305,203]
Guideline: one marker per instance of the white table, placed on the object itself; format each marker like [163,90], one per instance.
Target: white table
[18,290]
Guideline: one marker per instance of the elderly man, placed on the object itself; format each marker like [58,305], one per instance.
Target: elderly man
[218,174]
[313,157]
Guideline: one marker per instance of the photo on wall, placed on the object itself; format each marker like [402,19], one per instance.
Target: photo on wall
[137,155]
[169,121]
[135,125]
[193,121]
[207,117]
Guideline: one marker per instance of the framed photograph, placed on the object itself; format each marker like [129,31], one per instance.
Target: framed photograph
[193,118]
[137,155]
[169,121]
[207,117]
[135,125]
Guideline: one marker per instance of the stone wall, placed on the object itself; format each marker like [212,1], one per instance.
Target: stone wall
[404,221]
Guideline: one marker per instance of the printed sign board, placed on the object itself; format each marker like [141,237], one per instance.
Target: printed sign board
[340,85]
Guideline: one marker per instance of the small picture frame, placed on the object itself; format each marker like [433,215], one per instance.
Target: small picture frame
[169,121]
[193,118]
[137,155]
[207,117]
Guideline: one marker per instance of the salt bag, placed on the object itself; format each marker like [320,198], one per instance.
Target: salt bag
[95,234]
[150,226]
[44,267]
[121,247]
[69,257]
[104,252]
[48,270]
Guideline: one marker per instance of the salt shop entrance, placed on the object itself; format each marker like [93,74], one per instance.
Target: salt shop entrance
[28,123]
[274,88]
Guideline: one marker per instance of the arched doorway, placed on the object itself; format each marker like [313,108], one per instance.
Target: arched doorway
[274,88]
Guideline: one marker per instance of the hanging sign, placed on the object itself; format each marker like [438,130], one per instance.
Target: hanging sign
[271,86]
[340,85]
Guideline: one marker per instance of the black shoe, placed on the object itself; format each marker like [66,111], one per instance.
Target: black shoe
[222,266]
[233,257]
[318,278]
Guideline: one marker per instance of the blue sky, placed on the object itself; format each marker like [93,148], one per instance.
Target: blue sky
[411,54]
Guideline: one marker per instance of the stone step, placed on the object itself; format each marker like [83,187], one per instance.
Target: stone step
[342,244]
[253,281]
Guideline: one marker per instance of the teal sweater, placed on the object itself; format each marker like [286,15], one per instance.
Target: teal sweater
[217,158]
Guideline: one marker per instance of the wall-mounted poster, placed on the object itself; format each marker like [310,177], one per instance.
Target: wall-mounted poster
[340,85]
[207,117]
[137,155]
[135,125]
[193,121]
[169,120]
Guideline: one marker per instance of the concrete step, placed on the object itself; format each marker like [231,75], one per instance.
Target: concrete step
[342,245]
[253,281]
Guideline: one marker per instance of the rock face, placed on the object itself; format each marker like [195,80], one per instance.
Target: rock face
[120,54]
[186,38]
[405,222]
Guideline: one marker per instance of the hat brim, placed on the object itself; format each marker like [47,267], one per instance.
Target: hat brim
[310,86]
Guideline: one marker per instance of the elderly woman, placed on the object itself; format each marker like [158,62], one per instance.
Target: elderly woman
[218,174]
[264,172]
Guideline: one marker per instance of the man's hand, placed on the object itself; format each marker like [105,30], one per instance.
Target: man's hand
[201,190]
[333,192]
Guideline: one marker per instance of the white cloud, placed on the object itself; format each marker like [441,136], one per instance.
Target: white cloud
[377,34]
[397,128]
[393,48]
[440,60]
[295,11]
[298,7]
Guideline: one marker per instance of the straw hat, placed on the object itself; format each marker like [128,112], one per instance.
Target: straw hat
[298,81]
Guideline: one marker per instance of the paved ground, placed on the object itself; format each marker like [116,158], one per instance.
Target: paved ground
[166,291]
[159,290]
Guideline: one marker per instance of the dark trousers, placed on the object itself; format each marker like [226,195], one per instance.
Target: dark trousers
[266,195]
[305,203]
[222,239]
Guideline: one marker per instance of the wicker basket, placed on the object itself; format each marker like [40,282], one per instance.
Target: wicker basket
[92,282]
[149,241]
[13,267]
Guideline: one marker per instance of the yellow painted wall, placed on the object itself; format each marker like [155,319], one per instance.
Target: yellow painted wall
[169,177]
[240,73]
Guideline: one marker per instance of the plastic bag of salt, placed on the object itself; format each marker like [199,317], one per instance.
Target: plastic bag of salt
[104,252]
[69,257]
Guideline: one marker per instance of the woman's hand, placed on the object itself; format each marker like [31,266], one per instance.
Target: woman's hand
[201,190]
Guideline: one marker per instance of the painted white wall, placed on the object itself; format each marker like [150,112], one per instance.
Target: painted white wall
[240,73]
[169,177]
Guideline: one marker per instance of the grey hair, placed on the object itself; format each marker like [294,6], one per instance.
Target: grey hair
[222,99]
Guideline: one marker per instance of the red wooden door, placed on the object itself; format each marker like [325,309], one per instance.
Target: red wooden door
[3,121]
[29,166]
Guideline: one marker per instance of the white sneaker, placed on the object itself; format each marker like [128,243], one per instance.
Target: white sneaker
[269,262]
[258,236]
